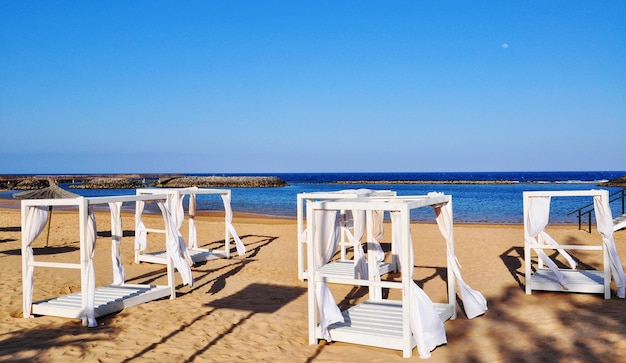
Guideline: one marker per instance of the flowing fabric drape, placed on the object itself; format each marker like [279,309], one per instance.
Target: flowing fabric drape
[116,239]
[178,216]
[241,249]
[538,216]
[426,326]
[604,221]
[175,250]
[193,234]
[326,236]
[474,303]
[376,251]
[141,235]
[90,247]
[358,223]
[36,218]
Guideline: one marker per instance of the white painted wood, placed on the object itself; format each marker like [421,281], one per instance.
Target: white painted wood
[107,299]
[580,281]
[302,199]
[198,255]
[384,323]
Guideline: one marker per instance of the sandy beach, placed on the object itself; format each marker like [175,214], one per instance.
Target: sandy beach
[254,308]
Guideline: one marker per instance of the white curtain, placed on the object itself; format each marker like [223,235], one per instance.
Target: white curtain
[358,222]
[378,233]
[426,326]
[141,235]
[176,251]
[36,218]
[178,215]
[116,239]
[538,216]
[241,249]
[474,302]
[375,249]
[193,235]
[90,246]
[326,240]
[604,221]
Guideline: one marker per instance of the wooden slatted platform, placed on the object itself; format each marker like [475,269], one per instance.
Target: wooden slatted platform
[590,281]
[377,324]
[108,299]
[197,255]
[346,269]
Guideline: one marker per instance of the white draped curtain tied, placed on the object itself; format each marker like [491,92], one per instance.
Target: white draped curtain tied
[474,303]
[141,235]
[426,326]
[178,217]
[90,247]
[326,238]
[193,233]
[176,249]
[241,249]
[116,239]
[604,221]
[36,218]
[538,217]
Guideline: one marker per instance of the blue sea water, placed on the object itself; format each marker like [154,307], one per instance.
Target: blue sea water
[472,203]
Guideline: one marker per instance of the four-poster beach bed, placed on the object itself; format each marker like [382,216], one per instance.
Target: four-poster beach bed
[403,324]
[92,302]
[550,277]
[195,254]
[353,227]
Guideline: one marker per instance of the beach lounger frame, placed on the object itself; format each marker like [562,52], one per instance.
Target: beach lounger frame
[197,254]
[384,323]
[103,300]
[547,275]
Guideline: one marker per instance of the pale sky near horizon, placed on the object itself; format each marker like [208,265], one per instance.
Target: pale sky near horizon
[311,86]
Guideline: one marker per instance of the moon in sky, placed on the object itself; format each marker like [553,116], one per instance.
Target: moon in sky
[505,45]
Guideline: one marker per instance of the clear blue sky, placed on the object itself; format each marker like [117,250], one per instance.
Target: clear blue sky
[311,86]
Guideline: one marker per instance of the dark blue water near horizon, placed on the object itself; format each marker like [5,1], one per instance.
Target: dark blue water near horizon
[472,202]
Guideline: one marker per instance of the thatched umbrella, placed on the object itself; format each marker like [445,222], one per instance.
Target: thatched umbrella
[53,191]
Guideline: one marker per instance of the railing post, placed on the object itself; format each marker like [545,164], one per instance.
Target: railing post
[589,217]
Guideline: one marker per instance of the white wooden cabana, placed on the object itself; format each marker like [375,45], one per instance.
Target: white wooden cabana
[395,324]
[91,302]
[352,228]
[195,254]
[548,276]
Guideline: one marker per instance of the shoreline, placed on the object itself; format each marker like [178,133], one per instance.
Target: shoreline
[246,217]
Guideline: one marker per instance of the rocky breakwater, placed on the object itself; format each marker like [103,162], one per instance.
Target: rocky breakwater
[221,182]
[110,183]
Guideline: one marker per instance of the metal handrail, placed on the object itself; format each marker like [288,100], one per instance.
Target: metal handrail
[586,210]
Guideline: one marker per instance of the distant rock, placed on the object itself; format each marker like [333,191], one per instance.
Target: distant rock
[31,184]
[221,182]
[617,182]
[110,183]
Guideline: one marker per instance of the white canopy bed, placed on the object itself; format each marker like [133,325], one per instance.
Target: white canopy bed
[91,302]
[548,276]
[193,253]
[395,324]
[353,227]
